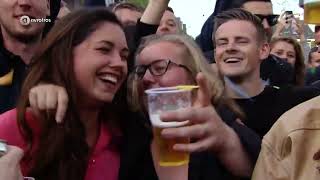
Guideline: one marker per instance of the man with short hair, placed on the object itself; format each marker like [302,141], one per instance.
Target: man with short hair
[169,23]
[263,9]
[18,43]
[240,47]
[127,13]
[273,70]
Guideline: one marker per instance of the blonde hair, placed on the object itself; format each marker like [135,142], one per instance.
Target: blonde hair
[196,62]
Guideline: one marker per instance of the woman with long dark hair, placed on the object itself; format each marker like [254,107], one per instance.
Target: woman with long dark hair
[86,53]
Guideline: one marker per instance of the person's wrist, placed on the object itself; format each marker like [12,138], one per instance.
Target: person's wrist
[157,3]
[228,142]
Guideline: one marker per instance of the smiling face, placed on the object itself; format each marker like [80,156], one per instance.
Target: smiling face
[11,12]
[100,63]
[285,51]
[238,52]
[175,74]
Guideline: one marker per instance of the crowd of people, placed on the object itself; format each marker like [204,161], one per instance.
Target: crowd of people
[72,101]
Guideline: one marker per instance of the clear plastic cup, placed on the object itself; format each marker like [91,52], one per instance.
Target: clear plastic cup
[163,100]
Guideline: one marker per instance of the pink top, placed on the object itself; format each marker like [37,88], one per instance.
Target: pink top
[104,162]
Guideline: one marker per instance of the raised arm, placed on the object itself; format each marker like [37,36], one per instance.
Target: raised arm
[154,11]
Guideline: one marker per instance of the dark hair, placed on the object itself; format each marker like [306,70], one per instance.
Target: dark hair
[299,66]
[62,152]
[316,29]
[240,15]
[126,5]
[170,9]
[245,1]
[54,11]
[313,50]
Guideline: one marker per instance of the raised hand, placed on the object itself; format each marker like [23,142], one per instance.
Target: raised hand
[206,129]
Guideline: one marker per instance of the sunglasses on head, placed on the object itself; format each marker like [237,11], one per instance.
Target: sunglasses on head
[271,19]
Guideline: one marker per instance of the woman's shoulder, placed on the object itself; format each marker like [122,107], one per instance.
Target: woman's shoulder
[9,127]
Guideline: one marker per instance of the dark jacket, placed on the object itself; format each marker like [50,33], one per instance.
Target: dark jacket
[10,91]
[263,110]
[95,3]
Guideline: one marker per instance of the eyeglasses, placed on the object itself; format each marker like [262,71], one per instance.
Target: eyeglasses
[271,19]
[156,68]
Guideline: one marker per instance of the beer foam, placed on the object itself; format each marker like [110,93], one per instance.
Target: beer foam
[156,122]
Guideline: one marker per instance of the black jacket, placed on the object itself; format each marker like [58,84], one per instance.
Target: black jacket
[263,110]
[10,91]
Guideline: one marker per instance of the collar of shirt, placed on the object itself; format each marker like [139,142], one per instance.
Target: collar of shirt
[104,162]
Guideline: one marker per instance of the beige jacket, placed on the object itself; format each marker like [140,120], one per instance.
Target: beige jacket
[291,149]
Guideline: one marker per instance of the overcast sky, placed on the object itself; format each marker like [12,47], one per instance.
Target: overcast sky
[195,12]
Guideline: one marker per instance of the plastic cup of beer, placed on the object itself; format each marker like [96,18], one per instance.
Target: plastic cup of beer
[312,11]
[163,100]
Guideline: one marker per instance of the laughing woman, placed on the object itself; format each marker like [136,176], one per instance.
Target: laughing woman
[86,53]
